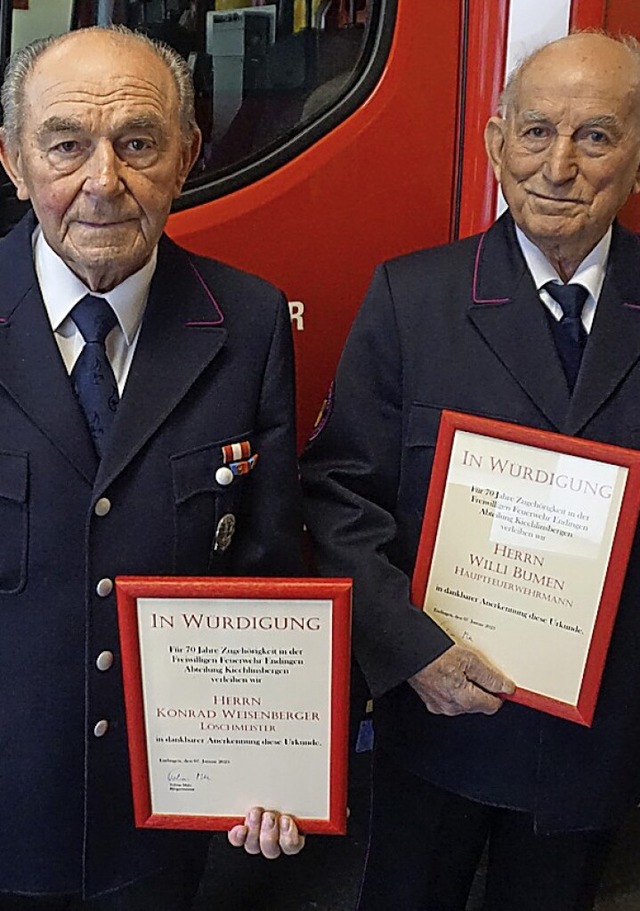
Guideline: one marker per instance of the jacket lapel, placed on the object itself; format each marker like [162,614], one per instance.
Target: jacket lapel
[182,332]
[31,369]
[507,312]
[613,347]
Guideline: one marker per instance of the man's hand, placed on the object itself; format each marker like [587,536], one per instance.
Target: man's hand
[267,832]
[459,681]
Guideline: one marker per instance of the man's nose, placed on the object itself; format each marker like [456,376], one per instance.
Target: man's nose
[560,163]
[103,170]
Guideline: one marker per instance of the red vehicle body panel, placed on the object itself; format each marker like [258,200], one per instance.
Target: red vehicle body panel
[378,185]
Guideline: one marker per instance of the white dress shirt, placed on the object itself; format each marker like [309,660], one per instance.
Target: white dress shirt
[61,290]
[590,274]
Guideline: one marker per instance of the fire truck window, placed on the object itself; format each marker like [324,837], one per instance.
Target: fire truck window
[275,68]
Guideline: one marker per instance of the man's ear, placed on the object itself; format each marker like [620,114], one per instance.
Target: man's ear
[190,154]
[12,163]
[494,139]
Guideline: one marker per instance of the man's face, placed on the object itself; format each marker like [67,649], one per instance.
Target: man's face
[567,153]
[100,154]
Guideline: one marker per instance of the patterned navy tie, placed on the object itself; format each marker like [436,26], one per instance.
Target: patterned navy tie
[93,380]
[570,334]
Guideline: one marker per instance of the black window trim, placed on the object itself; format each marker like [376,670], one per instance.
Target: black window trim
[5,32]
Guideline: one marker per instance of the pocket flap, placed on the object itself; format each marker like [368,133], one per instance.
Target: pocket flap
[195,471]
[14,474]
[424,420]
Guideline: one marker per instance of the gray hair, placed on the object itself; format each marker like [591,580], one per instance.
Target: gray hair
[509,94]
[22,63]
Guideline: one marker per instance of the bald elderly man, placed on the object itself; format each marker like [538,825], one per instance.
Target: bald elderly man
[475,326]
[128,367]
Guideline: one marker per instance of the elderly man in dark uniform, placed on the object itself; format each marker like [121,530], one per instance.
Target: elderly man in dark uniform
[128,368]
[475,326]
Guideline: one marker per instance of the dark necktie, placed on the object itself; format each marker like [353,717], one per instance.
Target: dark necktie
[92,376]
[570,334]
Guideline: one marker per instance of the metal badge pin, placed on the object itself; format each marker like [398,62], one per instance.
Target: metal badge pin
[224,532]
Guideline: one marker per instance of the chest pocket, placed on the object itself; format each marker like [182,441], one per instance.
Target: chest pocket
[14,521]
[417,457]
[419,449]
[207,497]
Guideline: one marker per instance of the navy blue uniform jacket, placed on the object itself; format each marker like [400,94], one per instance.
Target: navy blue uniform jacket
[462,327]
[213,365]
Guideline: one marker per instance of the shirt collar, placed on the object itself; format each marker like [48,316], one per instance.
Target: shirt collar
[61,289]
[590,273]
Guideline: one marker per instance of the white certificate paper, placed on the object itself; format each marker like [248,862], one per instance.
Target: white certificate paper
[522,552]
[237,707]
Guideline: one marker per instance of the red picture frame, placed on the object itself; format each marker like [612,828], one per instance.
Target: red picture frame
[451,423]
[136,593]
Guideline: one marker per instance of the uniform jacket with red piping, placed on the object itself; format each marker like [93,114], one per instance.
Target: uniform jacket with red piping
[213,366]
[462,327]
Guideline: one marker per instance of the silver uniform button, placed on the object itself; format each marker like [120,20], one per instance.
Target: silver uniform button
[104,661]
[104,587]
[224,476]
[101,728]
[102,507]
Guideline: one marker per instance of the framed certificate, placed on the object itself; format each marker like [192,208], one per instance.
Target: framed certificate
[236,695]
[523,553]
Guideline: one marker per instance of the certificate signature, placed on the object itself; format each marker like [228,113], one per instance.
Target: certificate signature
[178,781]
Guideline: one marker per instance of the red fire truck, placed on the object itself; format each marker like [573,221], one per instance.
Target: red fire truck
[337,132]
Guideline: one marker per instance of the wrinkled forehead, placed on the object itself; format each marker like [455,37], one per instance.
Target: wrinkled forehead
[584,71]
[100,72]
